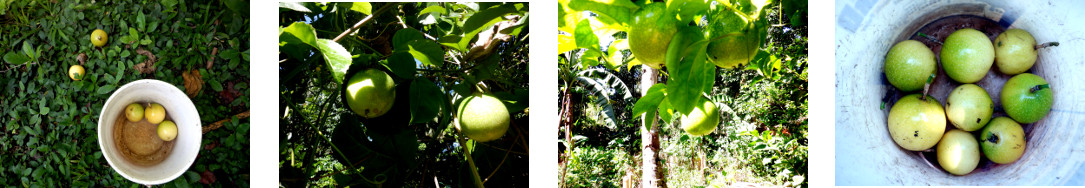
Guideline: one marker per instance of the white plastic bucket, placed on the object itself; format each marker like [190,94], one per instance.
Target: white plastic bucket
[178,107]
[866,155]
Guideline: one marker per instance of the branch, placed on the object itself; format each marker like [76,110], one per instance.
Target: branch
[219,123]
[364,21]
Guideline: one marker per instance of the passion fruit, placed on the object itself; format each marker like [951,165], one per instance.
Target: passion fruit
[99,38]
[651,33]
[371,93]
[482,118]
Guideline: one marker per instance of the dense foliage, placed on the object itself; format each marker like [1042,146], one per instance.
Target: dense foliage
[49,121]
[763,104]
[437,54]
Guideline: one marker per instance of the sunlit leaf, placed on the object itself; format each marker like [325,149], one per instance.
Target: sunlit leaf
[433,10]
[612,11]
[336,57]
[651,99]
[566,43]
[427,52]
[299,32]
[363,7]
[296,6]
[585,37]
[687,71]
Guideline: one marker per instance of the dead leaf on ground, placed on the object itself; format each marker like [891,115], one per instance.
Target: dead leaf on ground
[193,83]
[147,66]
[82,58]
[207,177]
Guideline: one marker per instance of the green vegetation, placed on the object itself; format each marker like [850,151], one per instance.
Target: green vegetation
[605,98]
[49,120]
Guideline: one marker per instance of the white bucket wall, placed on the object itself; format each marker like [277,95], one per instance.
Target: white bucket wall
[866,155]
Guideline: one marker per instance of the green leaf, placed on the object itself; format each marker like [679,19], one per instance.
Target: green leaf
[610,11]
[687,66]
[336,57]
[238,6]
[105,89]
[585,37]
[401,64]
[28,49]
[650,101]
[434,10]
[16,58]
[169,3]
[427,52]
[404,36]
[426,99]
[133,33]
[296,6]
[215,85]
[30,131]
[687,9]
[452,41]
[141,21]
[299,32]
[192,176]
[363,7]
[666,111]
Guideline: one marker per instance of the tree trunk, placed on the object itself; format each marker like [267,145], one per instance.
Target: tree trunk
[649,137]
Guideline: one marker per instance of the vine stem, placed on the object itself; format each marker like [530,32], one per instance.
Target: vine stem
[502,159]
[364,21]
[470,161]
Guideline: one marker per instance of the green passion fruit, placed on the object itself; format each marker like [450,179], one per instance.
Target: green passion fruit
[482,117]
[702,120]
[370,93]
[651,33]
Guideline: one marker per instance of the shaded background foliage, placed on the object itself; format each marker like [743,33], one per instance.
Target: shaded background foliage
[49,121]
[319,133]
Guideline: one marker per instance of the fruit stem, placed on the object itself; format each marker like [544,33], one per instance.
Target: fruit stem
[1047,44]
[927,87]
[1036,88]
[928,37]
[888,93]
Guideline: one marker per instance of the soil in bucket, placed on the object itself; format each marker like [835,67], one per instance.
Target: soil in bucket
[138,141]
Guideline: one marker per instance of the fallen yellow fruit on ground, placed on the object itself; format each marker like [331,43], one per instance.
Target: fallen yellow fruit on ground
[99,38]
[76,72]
